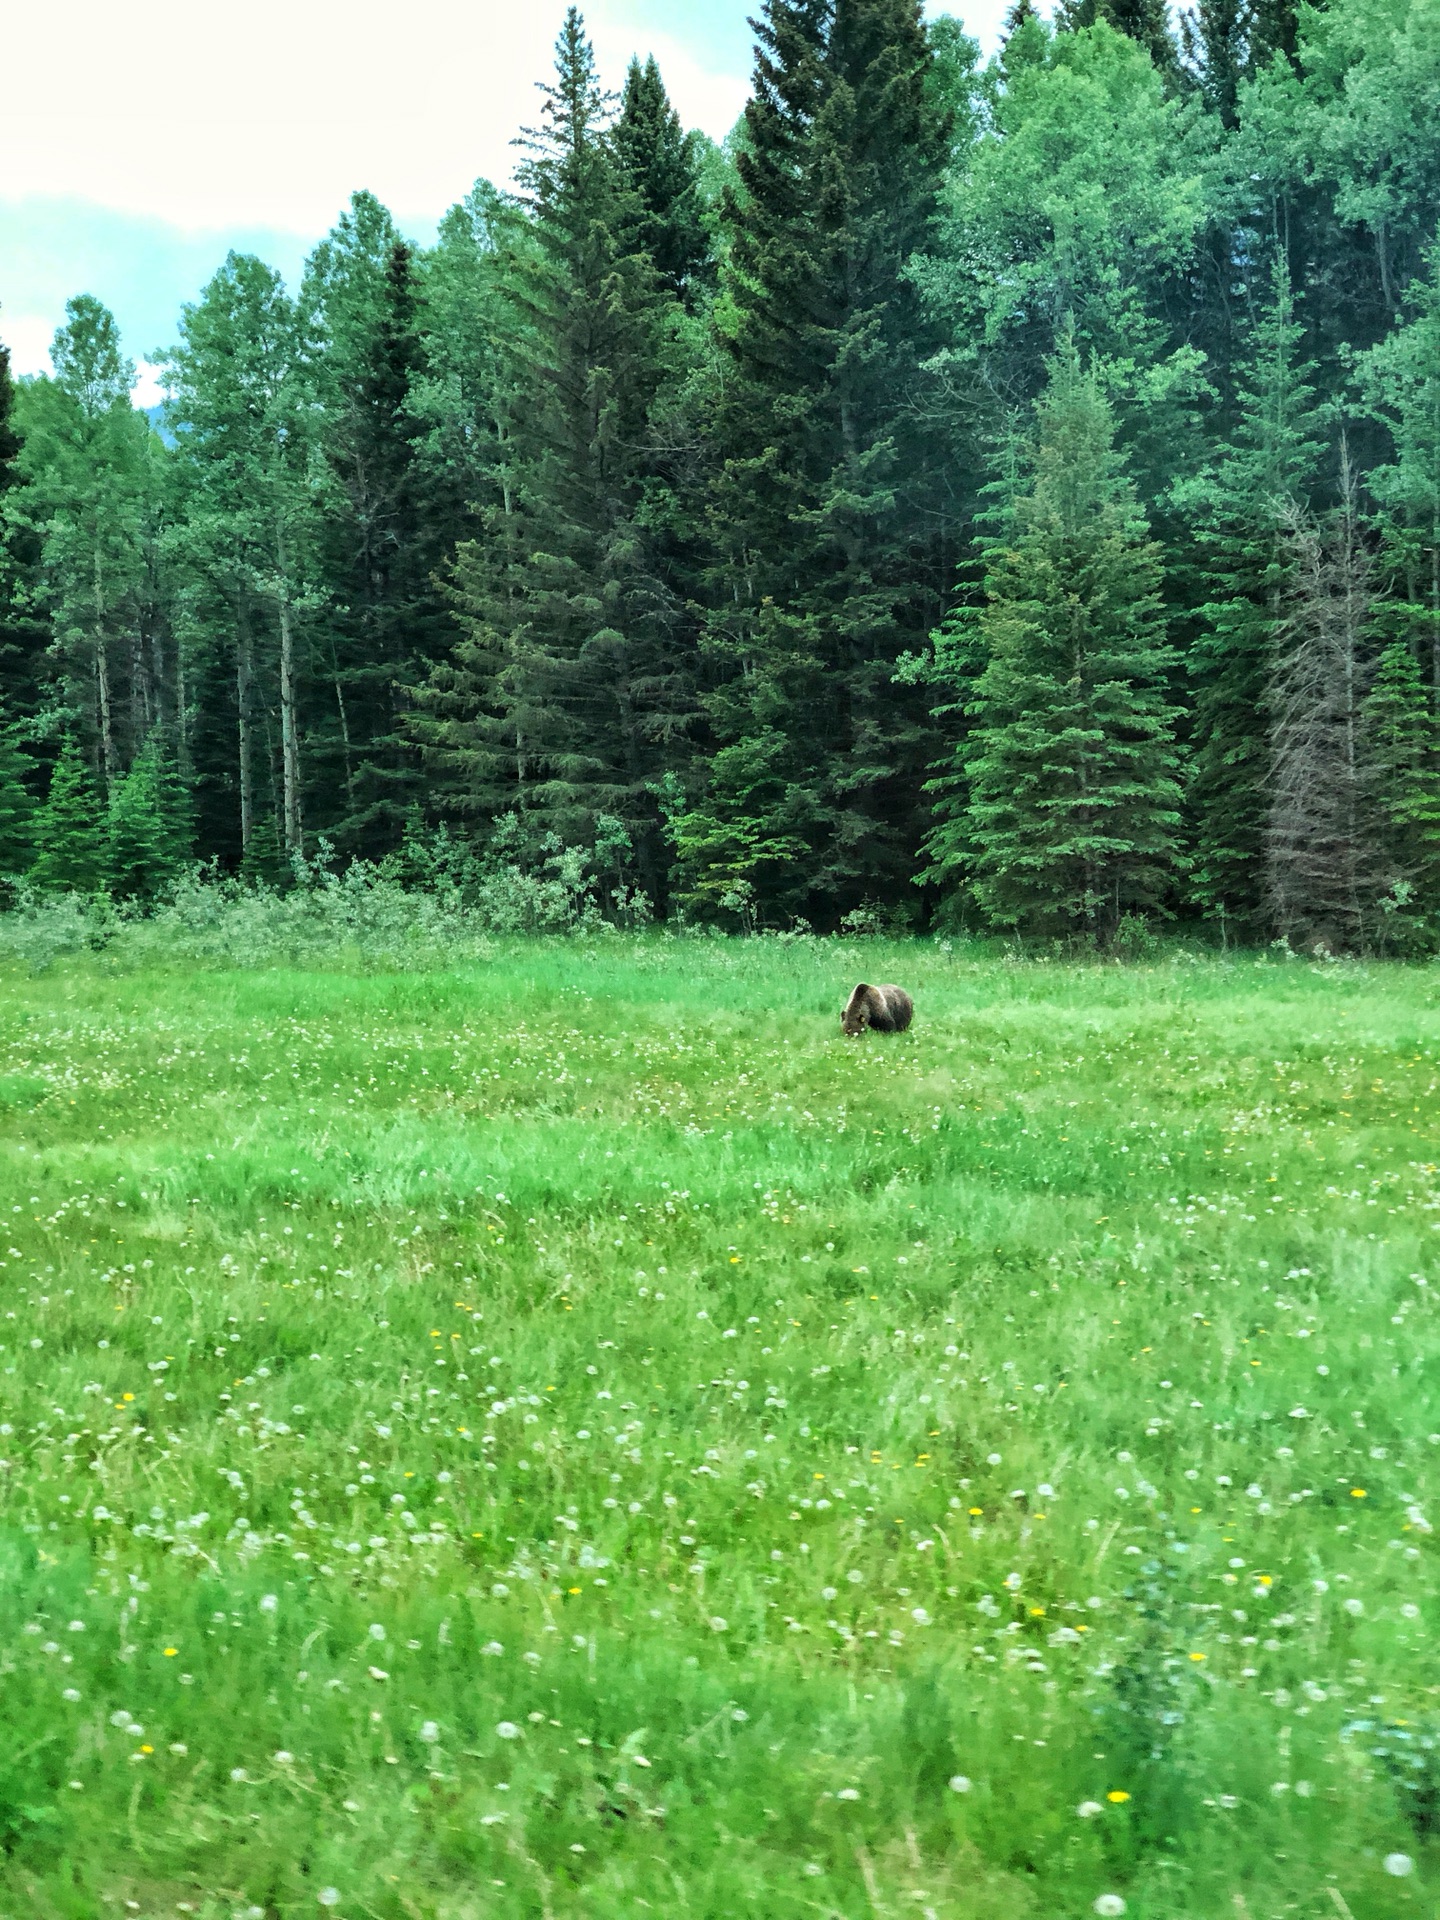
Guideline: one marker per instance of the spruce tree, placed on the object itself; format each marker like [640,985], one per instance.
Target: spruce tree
[572,692]
[1267,466]
[1274,31]
[147,827]
[830,514]
[659,161]
[1069,813]
[1400,379]
[1403,752]
[380,545]
[70,836]
[1215,39]
[23,632]
[17,809]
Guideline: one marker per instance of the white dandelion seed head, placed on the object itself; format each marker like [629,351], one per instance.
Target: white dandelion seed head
[429,1732]
[284,1758]
[717,1625]
[1355,1607]
[1109,1903]
[993,1459]
[377,1632]
[1088,1809]
[507,1730]
[1398,1865]
[848,1793]
[269,1602]
[329,1896]
[960,1783]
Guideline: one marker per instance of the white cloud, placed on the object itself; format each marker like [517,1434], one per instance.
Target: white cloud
[28,336]
[272,114]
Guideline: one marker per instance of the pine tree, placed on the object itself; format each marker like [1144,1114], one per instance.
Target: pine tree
[70,835]
[1267,467]
[1403,752]
[1069,811]
[1322,869]
[830,514]
[659,162]
[571,693]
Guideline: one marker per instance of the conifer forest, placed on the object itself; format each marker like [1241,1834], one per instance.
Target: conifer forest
[980,495]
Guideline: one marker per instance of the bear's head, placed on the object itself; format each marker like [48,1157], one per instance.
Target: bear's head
[856,1017]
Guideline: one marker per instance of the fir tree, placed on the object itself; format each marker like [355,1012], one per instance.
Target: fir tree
[830,512]
[1268,466]
[659,162]
[1403,751]
[1069,814]
[70,835]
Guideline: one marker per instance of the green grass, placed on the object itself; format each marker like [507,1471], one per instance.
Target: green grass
[566,1434]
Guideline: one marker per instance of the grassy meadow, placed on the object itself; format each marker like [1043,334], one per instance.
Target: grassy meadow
[562,1433]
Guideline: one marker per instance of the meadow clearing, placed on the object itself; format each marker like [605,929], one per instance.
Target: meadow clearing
[561,1432]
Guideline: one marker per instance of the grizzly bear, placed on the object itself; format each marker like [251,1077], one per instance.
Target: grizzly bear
[885,1009]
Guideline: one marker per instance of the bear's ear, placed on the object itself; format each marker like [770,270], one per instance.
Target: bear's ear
[862,988]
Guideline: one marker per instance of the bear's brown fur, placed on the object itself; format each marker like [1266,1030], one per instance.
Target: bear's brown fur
[885,1009]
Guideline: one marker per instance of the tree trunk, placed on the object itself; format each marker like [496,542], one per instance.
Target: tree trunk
[289,717]
[244,673]
[102,680]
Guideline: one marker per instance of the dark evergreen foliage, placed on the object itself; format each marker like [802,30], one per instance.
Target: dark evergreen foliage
[571,692]
[1068,815]
[829,514]
[659,161]
[70,838]
[684,518]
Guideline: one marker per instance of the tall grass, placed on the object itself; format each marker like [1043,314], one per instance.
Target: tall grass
[551,1429]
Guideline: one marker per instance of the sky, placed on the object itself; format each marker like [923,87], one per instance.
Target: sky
[159,134]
